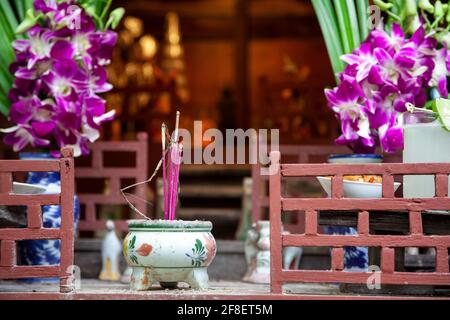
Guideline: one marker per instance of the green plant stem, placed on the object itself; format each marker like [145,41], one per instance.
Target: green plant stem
[105,10]
[424,15]
[393,16]
[436,22]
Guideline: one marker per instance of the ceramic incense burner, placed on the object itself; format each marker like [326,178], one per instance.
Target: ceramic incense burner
[169,252]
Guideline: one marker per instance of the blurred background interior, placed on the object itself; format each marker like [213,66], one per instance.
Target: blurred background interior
[230,63]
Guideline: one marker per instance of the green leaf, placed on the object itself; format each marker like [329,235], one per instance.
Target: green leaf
[21,10]
[328,24]
[442,108]
[115,17]
[8,13]
[344,23]
[29,21]
[353,23]
[362,7]
[4,105]
[6,50]
[5,71]
[5,28]
[5,81]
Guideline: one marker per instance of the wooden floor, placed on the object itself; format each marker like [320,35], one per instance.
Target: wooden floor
[219,290]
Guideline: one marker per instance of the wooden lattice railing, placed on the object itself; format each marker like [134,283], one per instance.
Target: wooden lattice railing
[387,243]
[89,201]
[35,230]
[299,154]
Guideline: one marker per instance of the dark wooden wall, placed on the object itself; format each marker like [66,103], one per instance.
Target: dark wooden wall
[233,43]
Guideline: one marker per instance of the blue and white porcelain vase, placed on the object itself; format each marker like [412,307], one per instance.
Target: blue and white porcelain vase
[45,252]
[356,259]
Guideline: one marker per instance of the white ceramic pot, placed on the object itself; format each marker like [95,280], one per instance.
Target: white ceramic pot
[169,252]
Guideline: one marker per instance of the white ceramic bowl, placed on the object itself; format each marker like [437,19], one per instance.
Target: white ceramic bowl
[356,189]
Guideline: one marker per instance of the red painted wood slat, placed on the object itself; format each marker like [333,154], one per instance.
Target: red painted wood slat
[5,182]
[8,253]
[91,222]
[34,215]
[35,230]
[388,243]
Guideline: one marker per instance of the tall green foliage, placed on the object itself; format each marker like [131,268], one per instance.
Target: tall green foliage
[12,12]
[344,25]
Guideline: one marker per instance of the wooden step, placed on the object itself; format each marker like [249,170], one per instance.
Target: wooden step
[215,170]
[211,191]
[209,213]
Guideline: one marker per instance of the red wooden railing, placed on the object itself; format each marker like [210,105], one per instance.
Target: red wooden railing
[297,154]
[114,175]
[34,231]
[337,202]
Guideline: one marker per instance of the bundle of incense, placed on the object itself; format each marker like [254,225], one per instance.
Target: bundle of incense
[172,157]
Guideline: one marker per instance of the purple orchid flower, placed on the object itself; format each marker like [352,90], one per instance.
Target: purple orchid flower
[59,72]
[363,59]
[391,43]
[384,74]
[440,72]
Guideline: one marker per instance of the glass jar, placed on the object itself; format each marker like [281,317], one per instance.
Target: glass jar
[425,141]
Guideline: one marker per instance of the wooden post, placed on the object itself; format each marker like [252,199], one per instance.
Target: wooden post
[276,249]
[67,225]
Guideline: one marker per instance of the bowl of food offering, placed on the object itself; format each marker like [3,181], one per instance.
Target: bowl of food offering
[358,186]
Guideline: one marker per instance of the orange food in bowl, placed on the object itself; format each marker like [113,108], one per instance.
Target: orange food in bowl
[364,178]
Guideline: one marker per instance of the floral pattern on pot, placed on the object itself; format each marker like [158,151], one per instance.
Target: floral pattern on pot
[198,255]
[210,245]
[144,250]
[130,247]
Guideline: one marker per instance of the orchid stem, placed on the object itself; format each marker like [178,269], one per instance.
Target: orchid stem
[105,9]
[411,108]
[424,15]
[394,16]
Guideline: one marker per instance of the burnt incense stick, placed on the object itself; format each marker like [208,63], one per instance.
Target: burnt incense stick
[171,158]
[174,163]
[179,152]
[177,124]
[163,140]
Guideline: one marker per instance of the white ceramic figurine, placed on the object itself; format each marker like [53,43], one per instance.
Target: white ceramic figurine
[111,251]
